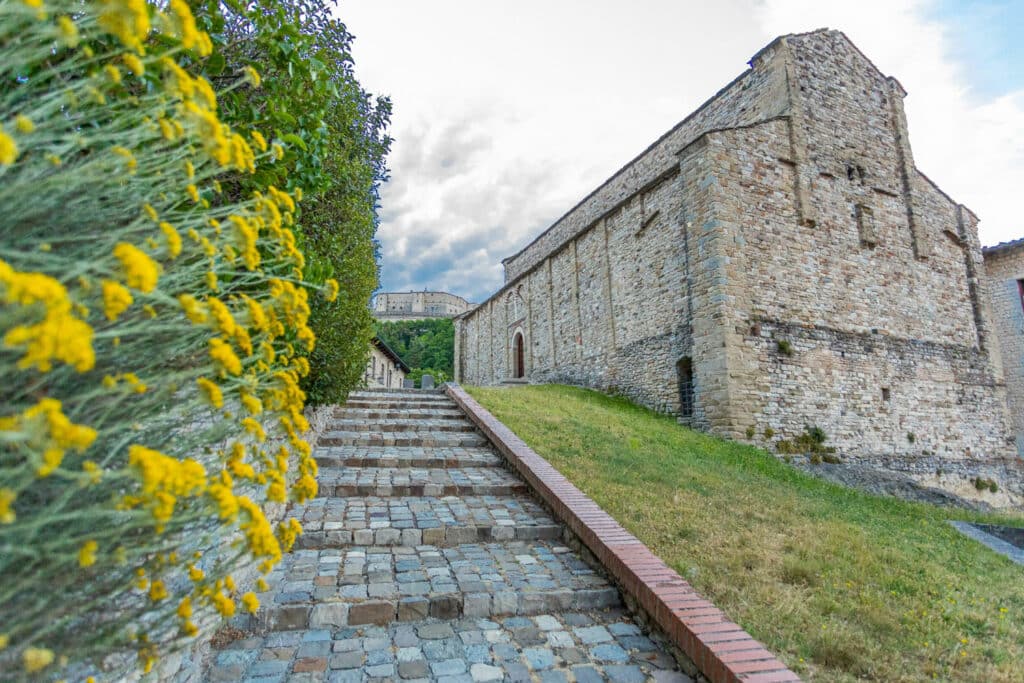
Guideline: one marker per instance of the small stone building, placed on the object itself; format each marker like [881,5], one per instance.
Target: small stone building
[774,262]
[384,369]
[1004,270]
[418,305]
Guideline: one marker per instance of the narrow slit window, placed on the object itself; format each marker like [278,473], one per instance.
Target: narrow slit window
[866,225]
[684,368]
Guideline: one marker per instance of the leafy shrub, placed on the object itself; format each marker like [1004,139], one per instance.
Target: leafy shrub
[810,443]
[425,345]
[336,154]
[153,318]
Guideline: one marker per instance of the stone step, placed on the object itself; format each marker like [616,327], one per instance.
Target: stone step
[443,522]
[405,456]
[354,586]
[400,404]
[400,393]
[576,646]
[427,439]
[414,481]
[455,424]
[373,414]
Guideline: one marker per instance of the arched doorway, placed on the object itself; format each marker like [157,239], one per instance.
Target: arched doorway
[518,367]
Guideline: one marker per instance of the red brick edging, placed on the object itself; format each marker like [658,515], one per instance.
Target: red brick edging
[722,651]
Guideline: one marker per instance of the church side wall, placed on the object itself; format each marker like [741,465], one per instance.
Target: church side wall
[608,310]
[1004,270]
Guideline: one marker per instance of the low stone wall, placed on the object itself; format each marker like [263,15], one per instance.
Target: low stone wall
[186,666]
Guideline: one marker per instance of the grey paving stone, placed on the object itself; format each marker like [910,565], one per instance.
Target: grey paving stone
[413,669]
[517,673]
[609,653]
[347,660]
[591,635]
[539,657]
[621,628]
[435,631]
[553,677]
[587,674]
[448,667]
[625,674]
[380,670]
[485,672]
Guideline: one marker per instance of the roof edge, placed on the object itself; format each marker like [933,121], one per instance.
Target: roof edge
[387,351]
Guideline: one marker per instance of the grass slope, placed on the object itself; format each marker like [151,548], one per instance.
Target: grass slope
[841,585]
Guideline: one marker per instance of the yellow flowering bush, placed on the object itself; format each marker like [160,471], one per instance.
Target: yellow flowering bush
[152,334]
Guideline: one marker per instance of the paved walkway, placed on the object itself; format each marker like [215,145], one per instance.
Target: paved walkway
[424,559]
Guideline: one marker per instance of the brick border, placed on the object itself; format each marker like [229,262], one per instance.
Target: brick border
[722,651]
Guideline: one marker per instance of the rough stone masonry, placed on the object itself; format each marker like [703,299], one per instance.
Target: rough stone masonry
[774,262]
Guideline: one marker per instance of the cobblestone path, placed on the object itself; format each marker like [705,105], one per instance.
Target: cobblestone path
[423,559]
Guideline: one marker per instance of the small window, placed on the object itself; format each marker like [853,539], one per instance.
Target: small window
[866,225]
[1020,290]
[886,394]
[684,369]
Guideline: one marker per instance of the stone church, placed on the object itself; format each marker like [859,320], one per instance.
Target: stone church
[774,262]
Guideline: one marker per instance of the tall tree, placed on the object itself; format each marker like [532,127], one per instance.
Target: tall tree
[335,151]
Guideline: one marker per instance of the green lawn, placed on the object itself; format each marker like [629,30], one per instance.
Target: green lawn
[841,585]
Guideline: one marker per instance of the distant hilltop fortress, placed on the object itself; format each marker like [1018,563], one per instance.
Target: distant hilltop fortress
[418,305]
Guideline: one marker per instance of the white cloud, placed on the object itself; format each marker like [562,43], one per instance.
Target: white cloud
[507,114]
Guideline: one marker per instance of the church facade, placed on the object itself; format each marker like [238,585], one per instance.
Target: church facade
[775,262]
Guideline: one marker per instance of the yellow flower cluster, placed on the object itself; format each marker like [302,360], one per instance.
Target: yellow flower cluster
[249,323]
[8,148]
[126,20]
[164,479]
[116,299]
[60,336]
[184,26]
[140,271]
[47,433]
[331,289]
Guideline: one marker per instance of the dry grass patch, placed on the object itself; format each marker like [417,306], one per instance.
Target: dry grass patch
[843,586]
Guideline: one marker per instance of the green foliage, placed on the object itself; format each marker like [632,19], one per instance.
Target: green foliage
[810,443]
[982,484]
[335,151]
[842,585]
[426,346]
[440,376]
[149,323]
[785,348]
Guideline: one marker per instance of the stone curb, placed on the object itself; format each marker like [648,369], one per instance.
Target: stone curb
[722,651]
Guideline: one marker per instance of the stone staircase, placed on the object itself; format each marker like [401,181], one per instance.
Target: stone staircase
[424,559]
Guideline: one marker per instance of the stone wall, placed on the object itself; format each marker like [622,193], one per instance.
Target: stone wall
[1004,271]
[782,242]
[607,310]
[186,665]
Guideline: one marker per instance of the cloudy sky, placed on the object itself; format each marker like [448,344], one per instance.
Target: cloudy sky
[508,113]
